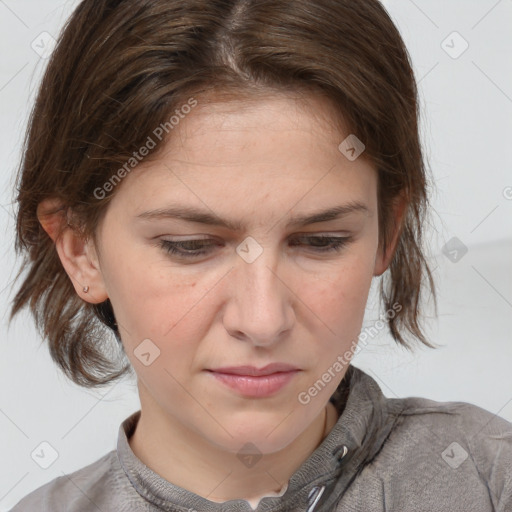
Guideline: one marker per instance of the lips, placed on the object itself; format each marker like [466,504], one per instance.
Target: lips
[252,382]
[252,371]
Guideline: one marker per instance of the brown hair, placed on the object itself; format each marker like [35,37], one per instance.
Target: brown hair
[122,68]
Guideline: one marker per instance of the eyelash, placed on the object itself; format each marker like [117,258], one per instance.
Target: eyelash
[337,243]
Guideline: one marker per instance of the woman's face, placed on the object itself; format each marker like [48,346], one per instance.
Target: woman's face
[263,289]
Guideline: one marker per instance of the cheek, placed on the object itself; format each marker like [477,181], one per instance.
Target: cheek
[155,300]
[338,299]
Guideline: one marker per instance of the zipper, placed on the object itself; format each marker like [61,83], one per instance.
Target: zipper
[316,493]
[314,497]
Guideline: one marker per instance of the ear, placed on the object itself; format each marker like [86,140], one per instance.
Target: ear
[78,256]
[382,261]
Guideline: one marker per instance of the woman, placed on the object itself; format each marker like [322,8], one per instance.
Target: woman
[218,183]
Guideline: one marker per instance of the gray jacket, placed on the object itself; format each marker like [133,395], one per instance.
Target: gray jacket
[403,455]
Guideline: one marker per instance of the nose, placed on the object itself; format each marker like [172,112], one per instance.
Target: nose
[260,302]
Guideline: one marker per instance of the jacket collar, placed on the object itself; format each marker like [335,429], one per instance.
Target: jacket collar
[361,430]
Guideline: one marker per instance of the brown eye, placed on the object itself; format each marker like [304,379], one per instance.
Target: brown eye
[188,248]
[325,243]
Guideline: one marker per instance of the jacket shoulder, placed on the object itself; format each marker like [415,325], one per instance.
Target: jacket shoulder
[474,421]
[80,490]
[483,433]
[461,441]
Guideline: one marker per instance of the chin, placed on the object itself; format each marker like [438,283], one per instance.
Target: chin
[263,437]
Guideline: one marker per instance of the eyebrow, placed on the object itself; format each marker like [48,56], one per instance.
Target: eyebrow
[192,214]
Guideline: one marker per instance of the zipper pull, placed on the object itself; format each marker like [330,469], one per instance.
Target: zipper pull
[314,497]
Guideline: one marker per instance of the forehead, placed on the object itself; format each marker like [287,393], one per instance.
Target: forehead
[275,150]
[285,115]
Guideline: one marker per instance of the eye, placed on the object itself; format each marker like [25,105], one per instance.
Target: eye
[188,248]
[201,247]
[326,243]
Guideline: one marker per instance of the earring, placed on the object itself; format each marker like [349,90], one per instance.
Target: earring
[86,289]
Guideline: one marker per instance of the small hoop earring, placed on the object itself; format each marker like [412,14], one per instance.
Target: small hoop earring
[86,289]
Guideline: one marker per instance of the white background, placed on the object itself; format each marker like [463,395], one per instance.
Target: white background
[467,134]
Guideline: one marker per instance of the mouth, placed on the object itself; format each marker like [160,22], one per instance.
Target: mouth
[252,382]
[252,371]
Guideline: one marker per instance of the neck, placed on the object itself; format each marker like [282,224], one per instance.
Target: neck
[167,447]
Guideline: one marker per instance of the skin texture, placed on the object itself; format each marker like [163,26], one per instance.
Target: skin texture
[259,163]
